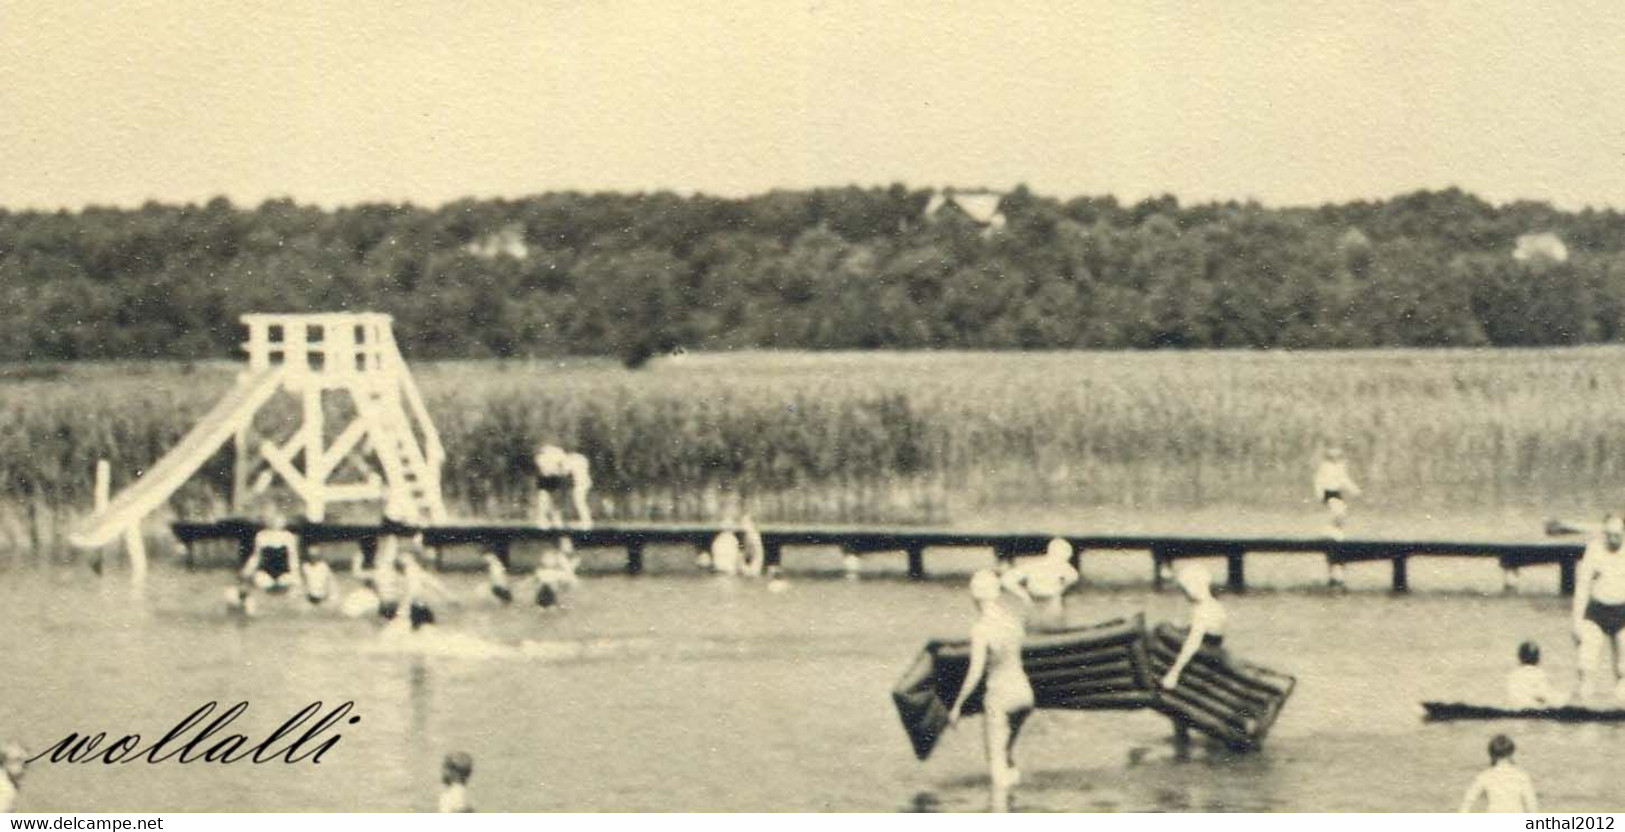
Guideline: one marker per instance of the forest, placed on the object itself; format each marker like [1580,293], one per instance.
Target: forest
[636,275]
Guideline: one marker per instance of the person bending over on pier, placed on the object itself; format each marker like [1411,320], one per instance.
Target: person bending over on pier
[1598,611]
[455,772]
[1505,787]
[1528,687]
[561,476]
[1007,701]
[271,560]
[1045,581]
[13,760]
[1335,487]
[1207,620]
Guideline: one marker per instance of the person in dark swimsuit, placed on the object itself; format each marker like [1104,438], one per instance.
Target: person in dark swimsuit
[1598,612]
[272,560]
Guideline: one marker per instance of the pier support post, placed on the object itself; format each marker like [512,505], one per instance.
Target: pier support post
[1159,558]
[772,553]
[1402,582]
[634,557]
[1567,571]
[136,547]
[1236,570]
[916,561]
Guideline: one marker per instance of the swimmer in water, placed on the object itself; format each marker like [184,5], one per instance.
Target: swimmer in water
[1505,787]
[1207,620]
[272,565]
[316,576]
[561,477]
[555,573]
[1007,701]
[1528,687]
[385,578]
[1598,612]
[496,575]
[455,772]
[753,554]
[1045,580]
[13,761]
[416,586]
[776,582]
[725,553]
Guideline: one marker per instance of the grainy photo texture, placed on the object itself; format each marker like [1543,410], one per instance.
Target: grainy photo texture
[811,406]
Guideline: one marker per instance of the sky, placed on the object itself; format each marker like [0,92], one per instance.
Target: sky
[333,103]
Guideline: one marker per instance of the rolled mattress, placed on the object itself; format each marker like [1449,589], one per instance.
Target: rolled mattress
[1101,667]
[1230,700]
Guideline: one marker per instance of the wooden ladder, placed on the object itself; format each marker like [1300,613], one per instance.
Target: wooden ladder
[414,484]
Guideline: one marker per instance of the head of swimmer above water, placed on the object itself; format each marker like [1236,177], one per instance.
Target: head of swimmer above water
[1058,551]
[1529,653]
[1501,748]
[1194,581]
[13,759]
[458,767]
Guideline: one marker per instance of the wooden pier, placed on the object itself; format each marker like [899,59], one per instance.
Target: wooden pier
[498,538]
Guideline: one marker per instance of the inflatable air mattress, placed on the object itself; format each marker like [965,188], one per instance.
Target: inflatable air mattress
[1232,701]
[1450,711]
[1103,667]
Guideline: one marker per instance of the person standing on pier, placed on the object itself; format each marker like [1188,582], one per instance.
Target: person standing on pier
[561,477]
[1007,701]
[1334,486]
[1598,611]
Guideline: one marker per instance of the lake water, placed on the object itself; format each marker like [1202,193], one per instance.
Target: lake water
[676,691]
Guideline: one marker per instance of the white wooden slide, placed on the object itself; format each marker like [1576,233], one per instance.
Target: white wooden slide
[157,483]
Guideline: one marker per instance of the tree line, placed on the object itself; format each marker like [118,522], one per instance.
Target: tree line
[633,275]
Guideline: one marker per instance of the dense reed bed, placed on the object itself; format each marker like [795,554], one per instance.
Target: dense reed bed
[907,437]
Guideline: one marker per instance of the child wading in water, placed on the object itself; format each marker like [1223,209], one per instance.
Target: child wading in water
[13,759]
[455,772]
[1504,785]
[1528,687]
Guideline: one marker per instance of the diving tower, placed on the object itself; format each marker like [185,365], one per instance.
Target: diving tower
[360,430]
